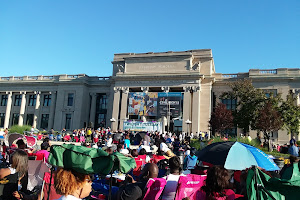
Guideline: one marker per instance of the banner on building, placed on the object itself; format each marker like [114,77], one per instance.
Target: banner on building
[143,104]
[169,103]
[142,126]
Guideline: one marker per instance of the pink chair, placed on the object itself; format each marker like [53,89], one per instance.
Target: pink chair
[155,187]
[189,185]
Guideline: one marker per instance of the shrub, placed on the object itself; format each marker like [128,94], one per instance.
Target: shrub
[19,129]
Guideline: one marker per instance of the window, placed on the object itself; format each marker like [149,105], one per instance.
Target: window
[269,93]
[15,119]
[4,100]
[100,120]
[29,119]
[101,110]
[230,103]
[44,121]
[70,99]
[32,100]
[2,117]
[68,121]
[47,100]
[18,99]
[102,101]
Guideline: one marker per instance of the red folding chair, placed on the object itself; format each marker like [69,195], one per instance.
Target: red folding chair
[46,186]
[138,169]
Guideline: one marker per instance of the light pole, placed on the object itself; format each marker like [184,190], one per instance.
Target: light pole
[188,122]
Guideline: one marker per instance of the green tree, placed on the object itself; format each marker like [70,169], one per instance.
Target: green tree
[269,120]
[290,113]
[221,119]
[249,101]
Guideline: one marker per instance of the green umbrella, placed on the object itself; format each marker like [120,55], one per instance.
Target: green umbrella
[89,160]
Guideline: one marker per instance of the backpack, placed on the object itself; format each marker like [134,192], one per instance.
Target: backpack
[189,185]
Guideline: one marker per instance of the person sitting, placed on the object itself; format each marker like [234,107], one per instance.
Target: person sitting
[136,190]
[72,185]
[172,179]
[67,138]
[127,142]
[43,153]
[293,159]
[143,155]
[217,184]
[19,164]
[157,157]
[190,161]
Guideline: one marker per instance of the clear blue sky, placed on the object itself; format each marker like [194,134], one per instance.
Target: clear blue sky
[47,37]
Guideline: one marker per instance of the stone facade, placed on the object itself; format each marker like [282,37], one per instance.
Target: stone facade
[76,101]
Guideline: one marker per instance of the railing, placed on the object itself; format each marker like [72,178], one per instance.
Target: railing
[33,77]
[4,78]
[48,77]
[270,71]
[229,75]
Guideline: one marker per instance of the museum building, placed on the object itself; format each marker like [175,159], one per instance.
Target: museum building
[165,91]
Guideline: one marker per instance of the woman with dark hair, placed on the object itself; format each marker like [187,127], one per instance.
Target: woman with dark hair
[217,184]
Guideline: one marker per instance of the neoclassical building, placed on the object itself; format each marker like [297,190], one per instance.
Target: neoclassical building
[165,91]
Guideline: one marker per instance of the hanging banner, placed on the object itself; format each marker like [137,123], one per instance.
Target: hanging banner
[143,104]
[169,103]
[142,126]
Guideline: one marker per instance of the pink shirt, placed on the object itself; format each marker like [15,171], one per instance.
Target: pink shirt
[45,153]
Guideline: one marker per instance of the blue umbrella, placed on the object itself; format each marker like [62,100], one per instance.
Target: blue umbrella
[236,156]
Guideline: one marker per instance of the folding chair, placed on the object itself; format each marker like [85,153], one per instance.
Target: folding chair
[189,185]
[138,169]
[46,186]
[155,187]
[36,171]
[8,185]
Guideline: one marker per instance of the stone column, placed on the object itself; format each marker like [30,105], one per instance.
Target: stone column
[22,108]
[93,109]
[166,119]
[8,109]
[196,110]
[37,108]
[52,109]
[115,112]
[124,101]
[186,109]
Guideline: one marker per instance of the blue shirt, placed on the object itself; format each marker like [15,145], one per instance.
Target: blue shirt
[126,143]
[293,150]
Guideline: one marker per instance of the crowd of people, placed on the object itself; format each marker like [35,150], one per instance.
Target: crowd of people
[168,156]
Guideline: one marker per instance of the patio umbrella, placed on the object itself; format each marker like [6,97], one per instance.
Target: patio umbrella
[13,137]
[236,156]
[31,141]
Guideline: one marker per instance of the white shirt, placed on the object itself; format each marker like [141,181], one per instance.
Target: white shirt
[69,197]
[171,186]
[109,142]
[164,147]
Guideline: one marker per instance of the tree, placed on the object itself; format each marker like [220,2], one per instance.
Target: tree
[221,119]
[290,114]
[269,120]
[249,101]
